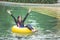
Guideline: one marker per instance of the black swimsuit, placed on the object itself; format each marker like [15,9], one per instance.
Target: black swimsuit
[22,23]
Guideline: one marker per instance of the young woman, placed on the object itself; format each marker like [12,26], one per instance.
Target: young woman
[19,22]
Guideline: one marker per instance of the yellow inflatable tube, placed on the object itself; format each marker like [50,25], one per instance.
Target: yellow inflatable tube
[18,30]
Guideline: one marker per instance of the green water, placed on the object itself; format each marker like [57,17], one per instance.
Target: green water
[41,21]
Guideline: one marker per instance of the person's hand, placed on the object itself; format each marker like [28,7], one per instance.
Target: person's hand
[29,10]
[9,11]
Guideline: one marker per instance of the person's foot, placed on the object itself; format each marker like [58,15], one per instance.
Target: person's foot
[34,30]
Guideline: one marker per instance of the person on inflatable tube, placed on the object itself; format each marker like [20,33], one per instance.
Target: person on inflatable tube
[19,22]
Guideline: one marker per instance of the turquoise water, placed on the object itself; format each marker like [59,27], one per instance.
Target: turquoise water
[44,23]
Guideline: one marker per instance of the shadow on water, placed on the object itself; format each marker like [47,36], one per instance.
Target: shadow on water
[39,20]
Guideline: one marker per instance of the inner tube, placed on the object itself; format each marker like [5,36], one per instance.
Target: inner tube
[23,30]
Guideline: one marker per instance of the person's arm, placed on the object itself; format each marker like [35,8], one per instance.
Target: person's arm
[14,18]
[26,15]
[9,11]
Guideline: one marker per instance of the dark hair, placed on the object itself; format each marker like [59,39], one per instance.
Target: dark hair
[18,16]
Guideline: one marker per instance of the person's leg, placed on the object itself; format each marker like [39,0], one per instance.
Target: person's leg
[29,26]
